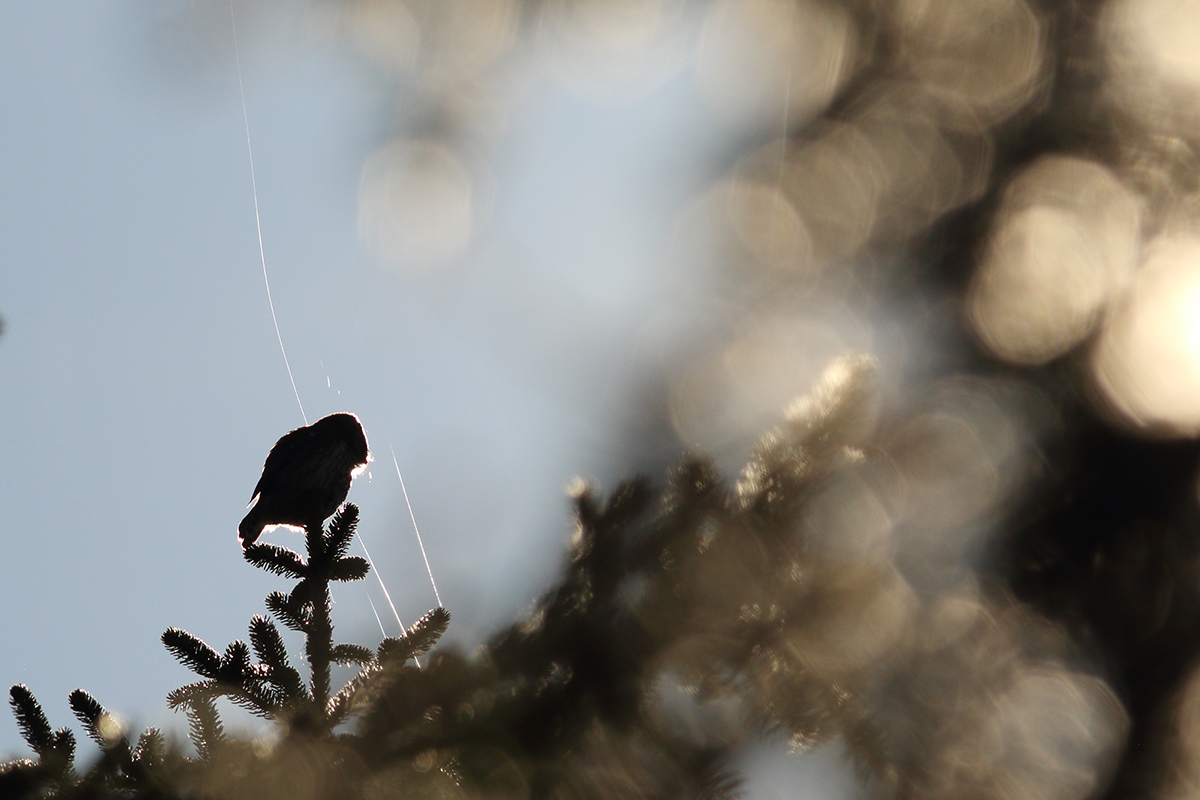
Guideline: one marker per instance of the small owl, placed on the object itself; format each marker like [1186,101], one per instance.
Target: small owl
[307,475]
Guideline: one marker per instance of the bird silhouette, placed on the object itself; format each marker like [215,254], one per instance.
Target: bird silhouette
[307,475]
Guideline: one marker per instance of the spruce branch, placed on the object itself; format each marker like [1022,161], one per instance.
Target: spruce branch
[150,749]
[55,749]
[350,568]
[418,640]
[279,604]
[587,517]
[89,713]
[342,704]
[318,648]
[62,752]
[23,777]
[31,720]
[192,693]
[102,727]
[302,597]
[631,500]
[821,430]
[235,664]
[341,532]
[289,683]
[260,700]
[261,688]
[352,654]
[694,484]
[312,595]
[270,650]
[205,728]
[118,770]
[268,644]
[628,501]
[193,652]
[275,559]
[355,695]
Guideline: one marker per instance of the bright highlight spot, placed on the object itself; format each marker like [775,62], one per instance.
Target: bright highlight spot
[1064,243]
[1147,362]
[984,56]
[1164,32]
[111,727]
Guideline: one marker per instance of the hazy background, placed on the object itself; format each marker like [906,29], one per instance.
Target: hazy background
[525,241]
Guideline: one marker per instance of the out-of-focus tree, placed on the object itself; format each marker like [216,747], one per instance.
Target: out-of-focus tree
[1019,176]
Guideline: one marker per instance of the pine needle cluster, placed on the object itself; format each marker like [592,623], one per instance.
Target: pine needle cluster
[123,769]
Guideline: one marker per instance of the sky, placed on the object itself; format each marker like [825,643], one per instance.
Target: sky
[142,381]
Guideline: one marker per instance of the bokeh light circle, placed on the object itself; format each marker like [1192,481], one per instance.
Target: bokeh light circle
[1147,361]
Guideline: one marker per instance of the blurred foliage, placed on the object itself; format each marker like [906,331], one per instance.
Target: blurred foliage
[690,621]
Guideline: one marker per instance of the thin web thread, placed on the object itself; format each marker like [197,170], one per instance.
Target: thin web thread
[413,517]
[257,219]
[262,256]
[375,611]
[385,594]
[381,586]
